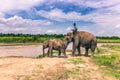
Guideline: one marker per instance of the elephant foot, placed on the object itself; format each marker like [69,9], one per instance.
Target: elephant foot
[79,55]
[51,55]
[73,55]
[58,56]
[47,56]
[65,57]
[86,55]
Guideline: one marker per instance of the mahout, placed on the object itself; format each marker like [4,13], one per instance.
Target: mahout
[81,39]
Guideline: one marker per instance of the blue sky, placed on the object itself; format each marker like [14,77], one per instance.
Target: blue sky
[100,17]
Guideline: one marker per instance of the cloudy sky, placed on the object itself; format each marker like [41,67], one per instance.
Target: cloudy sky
[100,17]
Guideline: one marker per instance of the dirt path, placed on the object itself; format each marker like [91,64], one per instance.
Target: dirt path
[50,69]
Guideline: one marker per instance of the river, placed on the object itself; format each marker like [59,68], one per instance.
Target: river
[29,50]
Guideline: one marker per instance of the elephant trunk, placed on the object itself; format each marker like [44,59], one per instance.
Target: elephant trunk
[43,51]
[65,44]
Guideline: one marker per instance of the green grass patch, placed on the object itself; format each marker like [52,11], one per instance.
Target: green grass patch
[116,74]
[55,53]
[108,40]
[115,47]
[75,61]
[40,56]
[111,62]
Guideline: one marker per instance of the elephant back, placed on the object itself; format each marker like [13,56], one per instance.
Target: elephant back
[56,42]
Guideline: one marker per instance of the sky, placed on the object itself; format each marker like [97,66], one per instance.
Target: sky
[100,17]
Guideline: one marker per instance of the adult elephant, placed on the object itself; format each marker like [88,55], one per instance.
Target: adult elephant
[81,38]
[55,44]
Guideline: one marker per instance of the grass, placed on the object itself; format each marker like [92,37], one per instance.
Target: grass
[108,40]
[111,62]
[108,60]
[115,47]
[41,56]
[55,53]
[75,61]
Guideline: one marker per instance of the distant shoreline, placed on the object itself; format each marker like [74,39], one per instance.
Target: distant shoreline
[19,44]
[25,44]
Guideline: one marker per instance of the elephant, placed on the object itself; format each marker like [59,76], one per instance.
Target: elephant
[55,44]
[81,39]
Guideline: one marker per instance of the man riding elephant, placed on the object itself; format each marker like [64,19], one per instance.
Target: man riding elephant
[81,38]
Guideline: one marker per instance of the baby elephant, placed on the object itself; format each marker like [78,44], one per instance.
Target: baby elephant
[55,44]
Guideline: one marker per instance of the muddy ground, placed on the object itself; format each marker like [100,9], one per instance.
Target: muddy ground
[13,68]
[22,68]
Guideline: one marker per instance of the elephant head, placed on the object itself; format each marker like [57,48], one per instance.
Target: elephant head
[69,37]
[45,45]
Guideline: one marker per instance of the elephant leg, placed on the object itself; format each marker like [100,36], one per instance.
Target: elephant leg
[50,51]
[75,45]
[92,50]
[73,51]
[86,51]
[59,53]
[79,51]
[64,52]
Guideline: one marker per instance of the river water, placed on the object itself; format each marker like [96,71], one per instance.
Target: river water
[27,50]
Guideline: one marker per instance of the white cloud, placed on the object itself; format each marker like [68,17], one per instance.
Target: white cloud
[52,32]
[105,22]
[103,19]
[7,5]
[17,24]
[117,26]
[55,14]
[69,29]
[59,15]
[1,15]
[56,31]
[106,17]
[93,3]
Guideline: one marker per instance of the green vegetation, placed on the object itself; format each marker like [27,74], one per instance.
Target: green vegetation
[115,47]
[75,61]
[113,39]
[55,53]
[41,56]
[108,40]
[28,38]
[39,38]
[110,61]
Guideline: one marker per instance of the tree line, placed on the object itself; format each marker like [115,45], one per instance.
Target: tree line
[38,38]
[27,38]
